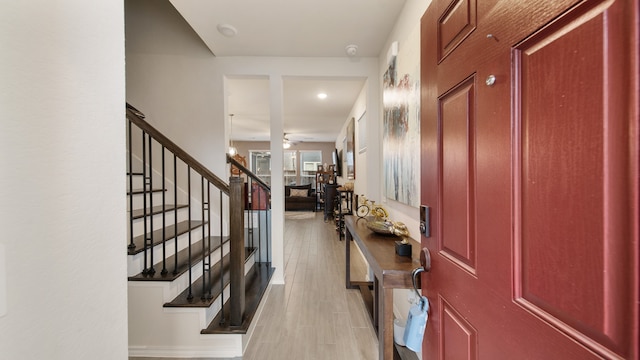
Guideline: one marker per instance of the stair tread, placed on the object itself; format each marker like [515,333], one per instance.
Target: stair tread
[139,213]
[183,261]
[170,232]
[198,300]
[140,191]
[257,281]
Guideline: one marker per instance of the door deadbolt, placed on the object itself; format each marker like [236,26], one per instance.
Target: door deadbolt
[491,79]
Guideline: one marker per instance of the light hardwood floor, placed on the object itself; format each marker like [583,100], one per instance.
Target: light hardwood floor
[313,316]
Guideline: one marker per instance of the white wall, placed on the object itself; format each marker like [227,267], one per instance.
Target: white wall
[406,31]
[62,183]
[363,178]
[369,164]
[170,78]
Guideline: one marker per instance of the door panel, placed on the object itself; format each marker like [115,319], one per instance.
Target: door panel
[589,235]
[454,25]
[459,338]
[533,179]
[457,186]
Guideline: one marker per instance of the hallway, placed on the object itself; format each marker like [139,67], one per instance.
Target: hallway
[313,316]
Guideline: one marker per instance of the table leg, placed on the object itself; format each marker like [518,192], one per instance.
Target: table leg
[385,323]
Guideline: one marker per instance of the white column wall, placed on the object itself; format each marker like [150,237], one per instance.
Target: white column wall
[62,183]
[277,175]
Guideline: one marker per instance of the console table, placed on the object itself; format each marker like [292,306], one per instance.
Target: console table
[390,272]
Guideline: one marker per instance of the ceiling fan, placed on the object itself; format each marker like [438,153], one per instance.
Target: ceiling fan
[286,143]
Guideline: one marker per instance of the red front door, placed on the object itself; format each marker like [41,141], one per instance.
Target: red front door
[530,166]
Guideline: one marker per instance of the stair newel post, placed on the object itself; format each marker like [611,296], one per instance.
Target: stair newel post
[151,270]
[132,246]
[237,251]
[190,296]
[175,214]
[164,219]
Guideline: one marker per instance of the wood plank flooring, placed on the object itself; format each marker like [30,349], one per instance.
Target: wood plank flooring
[313,316]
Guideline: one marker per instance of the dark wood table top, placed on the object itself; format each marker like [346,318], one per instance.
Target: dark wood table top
[391,270]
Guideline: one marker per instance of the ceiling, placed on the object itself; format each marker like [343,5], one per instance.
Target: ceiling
[292,28]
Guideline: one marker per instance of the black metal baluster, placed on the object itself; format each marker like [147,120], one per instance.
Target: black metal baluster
[209,248]
[205,270]
[222,320]
[258,226]
[132,245]
[251,213]
[152,269]
[175,214]
[144,200]
[268,239]
[164,219]
[190,296]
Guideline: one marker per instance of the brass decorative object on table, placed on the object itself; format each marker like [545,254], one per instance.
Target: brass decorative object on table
[386,227]
[369,207]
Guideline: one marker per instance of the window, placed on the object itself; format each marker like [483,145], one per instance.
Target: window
[260,164]
[309,161]
[306,160]
[290,171]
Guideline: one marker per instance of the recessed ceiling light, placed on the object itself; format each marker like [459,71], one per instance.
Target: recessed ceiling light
[227,30]
[322,95]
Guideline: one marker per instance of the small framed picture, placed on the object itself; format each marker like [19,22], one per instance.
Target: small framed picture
[332,169]
[320,168]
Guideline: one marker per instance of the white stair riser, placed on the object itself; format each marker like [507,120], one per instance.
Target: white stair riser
[156,182]
[136,262]
[181,322]
[156,197]
[218,345]
[182,282]
[169,218]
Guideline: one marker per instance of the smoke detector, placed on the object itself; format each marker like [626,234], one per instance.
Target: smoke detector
[351,50]
[227,30]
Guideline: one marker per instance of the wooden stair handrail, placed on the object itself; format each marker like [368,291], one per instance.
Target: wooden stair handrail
[171,146]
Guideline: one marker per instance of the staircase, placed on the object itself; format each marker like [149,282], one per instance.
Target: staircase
[198,256]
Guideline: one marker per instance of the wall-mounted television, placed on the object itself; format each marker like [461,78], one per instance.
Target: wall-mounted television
[337,157]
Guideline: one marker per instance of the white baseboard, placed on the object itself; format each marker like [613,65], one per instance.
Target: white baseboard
[223,346]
